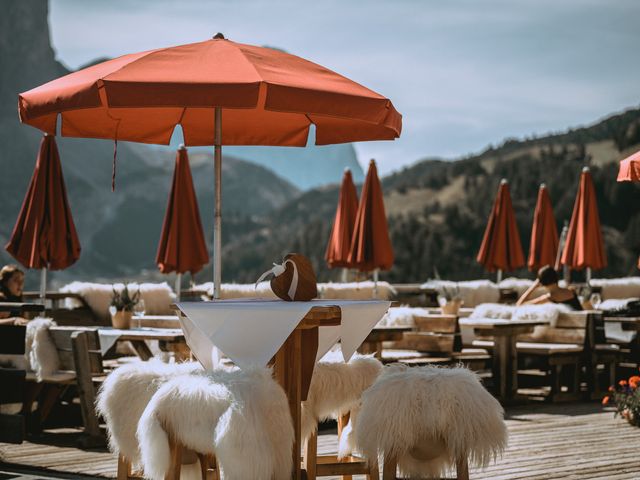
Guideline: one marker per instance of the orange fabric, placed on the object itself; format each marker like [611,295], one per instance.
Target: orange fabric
[182,247]
[371,246]
[44,235]
[501,248]
[544,234]
[337,254]
[584,246]
[268,97]
[630,169]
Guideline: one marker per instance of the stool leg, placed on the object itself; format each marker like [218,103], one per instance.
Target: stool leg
[311,456]
[342,422]
[176,460]
[389,468]
[124,468]
[374,473]
[462,469]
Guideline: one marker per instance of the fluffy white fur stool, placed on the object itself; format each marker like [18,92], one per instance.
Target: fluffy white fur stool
[429,420]
[123,397]
[242,417]
[335,390]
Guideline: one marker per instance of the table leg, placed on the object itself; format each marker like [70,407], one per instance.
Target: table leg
[293,367]
[505,366]
[142,349]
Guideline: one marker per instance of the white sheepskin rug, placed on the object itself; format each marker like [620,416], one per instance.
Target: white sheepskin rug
[239,290]
[428,418]
[336,388]
[472,292]
[125,394]
[402,316]
[40,353]
[240,416]
[612,288]
[356,290]
[157,297]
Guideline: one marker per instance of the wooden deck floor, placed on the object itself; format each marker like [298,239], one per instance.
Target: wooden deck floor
[570,441]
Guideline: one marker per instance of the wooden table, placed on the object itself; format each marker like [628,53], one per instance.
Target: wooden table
[628,323]
[505,354]
[138,337]
[293,368]
[157,321]
[373,342]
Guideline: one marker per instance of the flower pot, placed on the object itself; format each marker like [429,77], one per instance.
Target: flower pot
[121,319]
[452,307]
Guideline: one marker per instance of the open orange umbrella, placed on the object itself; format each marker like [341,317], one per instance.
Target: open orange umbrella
[182,247]
[44,235]
[371,248]
[337,254]
[630,169]
[268,98]
[584,247]
[501,249]
[544,234]
[630,172]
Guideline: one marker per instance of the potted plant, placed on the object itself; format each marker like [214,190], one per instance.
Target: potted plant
[453,300]
[122,303]
[626,398]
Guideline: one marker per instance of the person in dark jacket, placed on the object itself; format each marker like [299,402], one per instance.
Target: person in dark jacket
[11,287]
[548,278]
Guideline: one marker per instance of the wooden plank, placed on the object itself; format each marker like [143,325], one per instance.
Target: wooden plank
[429,342]
[436,323]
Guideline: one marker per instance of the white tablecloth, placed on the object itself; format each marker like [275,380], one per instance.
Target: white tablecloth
[250,332]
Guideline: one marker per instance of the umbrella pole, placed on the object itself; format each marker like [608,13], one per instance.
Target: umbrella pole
[178,286]
[345,272]
[217,215]
[588,275]
[43,285]
[375,284]
[499,276]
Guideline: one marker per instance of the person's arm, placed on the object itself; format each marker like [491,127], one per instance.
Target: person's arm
[525,296]
[14,321]
[546,298]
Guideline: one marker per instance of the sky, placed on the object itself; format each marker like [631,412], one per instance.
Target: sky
[464,73]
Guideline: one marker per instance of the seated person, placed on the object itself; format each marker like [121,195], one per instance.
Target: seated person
[548,278]
[11,286]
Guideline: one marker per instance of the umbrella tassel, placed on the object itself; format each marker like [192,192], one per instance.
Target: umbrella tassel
[113,170]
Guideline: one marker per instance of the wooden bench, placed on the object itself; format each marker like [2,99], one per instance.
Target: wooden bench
[56,310]
[558,356]
[436,341]
[12,425]
[80,363]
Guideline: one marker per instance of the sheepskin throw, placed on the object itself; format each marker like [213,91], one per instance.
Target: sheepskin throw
[447,409]
[612,288]
[125,394]
[157,297]
[242,417]
[402,316]
[40,353]
[356,290]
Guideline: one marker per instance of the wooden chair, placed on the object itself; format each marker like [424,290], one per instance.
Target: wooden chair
[79,316]
[12,380]
[556,356]
[329,465]
[80,364]
[437,341]
[390,466]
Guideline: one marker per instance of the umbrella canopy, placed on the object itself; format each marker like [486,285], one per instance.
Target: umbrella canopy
[544,234]
[269,98]
[337,254]
[182,247]
[584,247]
[501,248]
[44,235]
[630,169]
[371,246]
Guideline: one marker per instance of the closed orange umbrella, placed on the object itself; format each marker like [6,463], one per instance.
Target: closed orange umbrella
[182,247]
[221,93]
[501,249]
[630,172]
[44,235]
[337,254]
[544,234]
[584,247]
[371,248]
[630,169]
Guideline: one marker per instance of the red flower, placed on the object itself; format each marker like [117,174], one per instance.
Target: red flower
[605,400]
[611,389]
[622,383]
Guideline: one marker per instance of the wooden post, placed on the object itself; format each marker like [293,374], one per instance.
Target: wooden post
[389,468]
[86,392]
